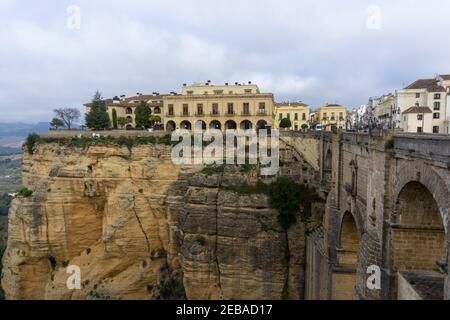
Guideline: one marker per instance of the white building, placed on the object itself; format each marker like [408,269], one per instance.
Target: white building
[424,93]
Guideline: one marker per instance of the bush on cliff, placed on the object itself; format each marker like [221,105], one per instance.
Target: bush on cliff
[31,141]
[24,192]
[289,198]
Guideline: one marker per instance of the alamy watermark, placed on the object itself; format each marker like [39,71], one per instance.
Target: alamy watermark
[374,279]
[73,21]
[74,280]
[373,17]
[241,147]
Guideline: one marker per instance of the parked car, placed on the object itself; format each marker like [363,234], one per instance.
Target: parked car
[320,127]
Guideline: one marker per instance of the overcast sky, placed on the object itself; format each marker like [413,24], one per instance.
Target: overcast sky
[314,51]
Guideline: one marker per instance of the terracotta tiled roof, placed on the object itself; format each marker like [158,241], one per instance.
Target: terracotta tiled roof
[333,105]
[145,97]
[418,110]
[128,102]
[290,104]
[431,85]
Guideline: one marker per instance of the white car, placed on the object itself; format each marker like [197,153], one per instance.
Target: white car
[320,127]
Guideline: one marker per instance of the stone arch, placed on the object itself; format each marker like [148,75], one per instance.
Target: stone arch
[157,110]
[215,124]
[129,110]
[129,119]
[432,182]
[261,124]
[170,125]
[230,124]
[200,125]
[185,124]
[246,124]
[344,272]
[419,245]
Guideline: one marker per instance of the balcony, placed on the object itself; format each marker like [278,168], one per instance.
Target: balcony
[245,113]
[261,112]
[200,114]
[215,113]
[170,114]
[185,114]
[230,113]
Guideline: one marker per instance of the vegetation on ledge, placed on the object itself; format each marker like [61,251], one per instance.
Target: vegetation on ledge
[289,197]
[24,192]
[34,139]
[285,195]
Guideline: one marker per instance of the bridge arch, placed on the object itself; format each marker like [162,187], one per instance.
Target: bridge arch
[347,252]
[419,241]
[431,180]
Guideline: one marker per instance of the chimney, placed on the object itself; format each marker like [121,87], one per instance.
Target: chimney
[249,82]
[236,83]
[226,83]
[184,84]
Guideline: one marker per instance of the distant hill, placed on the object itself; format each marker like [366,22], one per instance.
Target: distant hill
[13,134]
[19,129]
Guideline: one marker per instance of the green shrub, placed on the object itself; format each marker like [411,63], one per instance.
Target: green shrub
[210,170]
[259,188]
[24,192]
[285,123]
[125,141]
[289,198]
[31,141]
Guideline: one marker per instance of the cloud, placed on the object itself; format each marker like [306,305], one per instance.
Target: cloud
[315,51]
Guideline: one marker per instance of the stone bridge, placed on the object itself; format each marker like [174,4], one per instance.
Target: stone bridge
[388,200]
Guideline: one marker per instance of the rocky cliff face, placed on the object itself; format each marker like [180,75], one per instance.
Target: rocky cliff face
[140,227]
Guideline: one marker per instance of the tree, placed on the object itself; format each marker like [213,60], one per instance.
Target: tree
[142,115]
[154,119]
[304,126]
[114,118]
[285,123]
[97,118]
[56,123]
[122,121]
[67,115]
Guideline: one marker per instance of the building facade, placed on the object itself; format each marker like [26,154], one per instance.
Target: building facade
[418,119]
[125,107]
[425,93]
[208,106]
[383,109]
[297,112]
[332,116]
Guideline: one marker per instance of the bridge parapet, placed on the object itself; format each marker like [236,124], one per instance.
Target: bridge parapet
[431,147]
